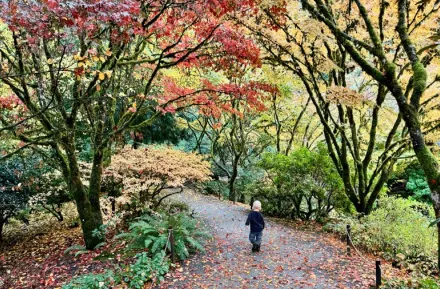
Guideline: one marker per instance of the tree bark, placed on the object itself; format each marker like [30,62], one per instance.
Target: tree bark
[90,221]
[1,230]
[87,203]
[234,175]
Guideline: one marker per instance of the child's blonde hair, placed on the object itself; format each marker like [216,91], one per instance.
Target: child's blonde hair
[256,206]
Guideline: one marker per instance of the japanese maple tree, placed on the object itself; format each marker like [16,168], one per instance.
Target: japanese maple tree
[151,174]
[87,68]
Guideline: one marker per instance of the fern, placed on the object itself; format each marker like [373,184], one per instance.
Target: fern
[102,244]
[75,248]
[151,232]
[194,244]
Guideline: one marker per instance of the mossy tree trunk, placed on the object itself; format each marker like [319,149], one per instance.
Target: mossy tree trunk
[87,202]
[408,99]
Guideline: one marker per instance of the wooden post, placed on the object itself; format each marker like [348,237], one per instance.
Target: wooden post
[348,240]
[173,253]
[378,274]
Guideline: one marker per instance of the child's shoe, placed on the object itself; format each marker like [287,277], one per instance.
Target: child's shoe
[257,248]
[254,248]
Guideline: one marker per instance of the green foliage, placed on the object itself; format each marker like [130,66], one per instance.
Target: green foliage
[217,188]
[396,223]
[146,269]
[164,130]
[94,281]
[295,186]
[135,276]
[152,232]
[409,181]
[427,283]
[16,173]
[78,249]
[418,186]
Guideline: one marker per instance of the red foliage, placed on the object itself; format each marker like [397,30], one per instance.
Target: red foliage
[9,102]
[214,99]
[191,34]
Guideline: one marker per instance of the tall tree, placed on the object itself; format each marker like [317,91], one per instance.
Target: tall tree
[234,138]
[398,59]
[349,104]
[66,63]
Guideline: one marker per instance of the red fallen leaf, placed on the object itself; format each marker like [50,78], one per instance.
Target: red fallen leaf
[279,268]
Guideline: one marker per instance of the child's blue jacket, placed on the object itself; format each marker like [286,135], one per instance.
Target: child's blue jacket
[256,220]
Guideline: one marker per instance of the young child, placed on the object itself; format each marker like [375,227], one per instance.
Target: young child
[256,221]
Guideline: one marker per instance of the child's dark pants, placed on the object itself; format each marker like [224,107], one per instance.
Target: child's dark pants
[255,238]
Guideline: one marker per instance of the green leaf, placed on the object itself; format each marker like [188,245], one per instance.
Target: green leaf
[100,245]
[75,248]
[434,223]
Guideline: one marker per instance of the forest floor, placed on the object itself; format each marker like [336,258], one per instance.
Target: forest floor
[291,256]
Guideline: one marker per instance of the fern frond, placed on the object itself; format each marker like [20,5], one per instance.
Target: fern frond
[75,248]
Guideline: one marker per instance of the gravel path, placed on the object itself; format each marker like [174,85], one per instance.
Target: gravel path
[289,258]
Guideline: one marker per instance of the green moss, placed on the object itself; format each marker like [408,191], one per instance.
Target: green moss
[420,77]
[390,69]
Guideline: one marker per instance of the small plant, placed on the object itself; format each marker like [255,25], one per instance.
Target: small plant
[152,232]
[105,280]
[78,249]
[146,269]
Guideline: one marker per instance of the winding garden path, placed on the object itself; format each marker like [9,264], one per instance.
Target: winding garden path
[289,258]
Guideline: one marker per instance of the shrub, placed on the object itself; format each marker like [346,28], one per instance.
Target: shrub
[427,283]
[295,186]
[409,181]
[14,193]
[152,232]
[218,188]
[50,194]
[396,223]
[147,172]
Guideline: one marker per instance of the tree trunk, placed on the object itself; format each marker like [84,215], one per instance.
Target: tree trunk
[60,216]
[87,204]
[90,221]
[1,230]
[232,181]
[113,201]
